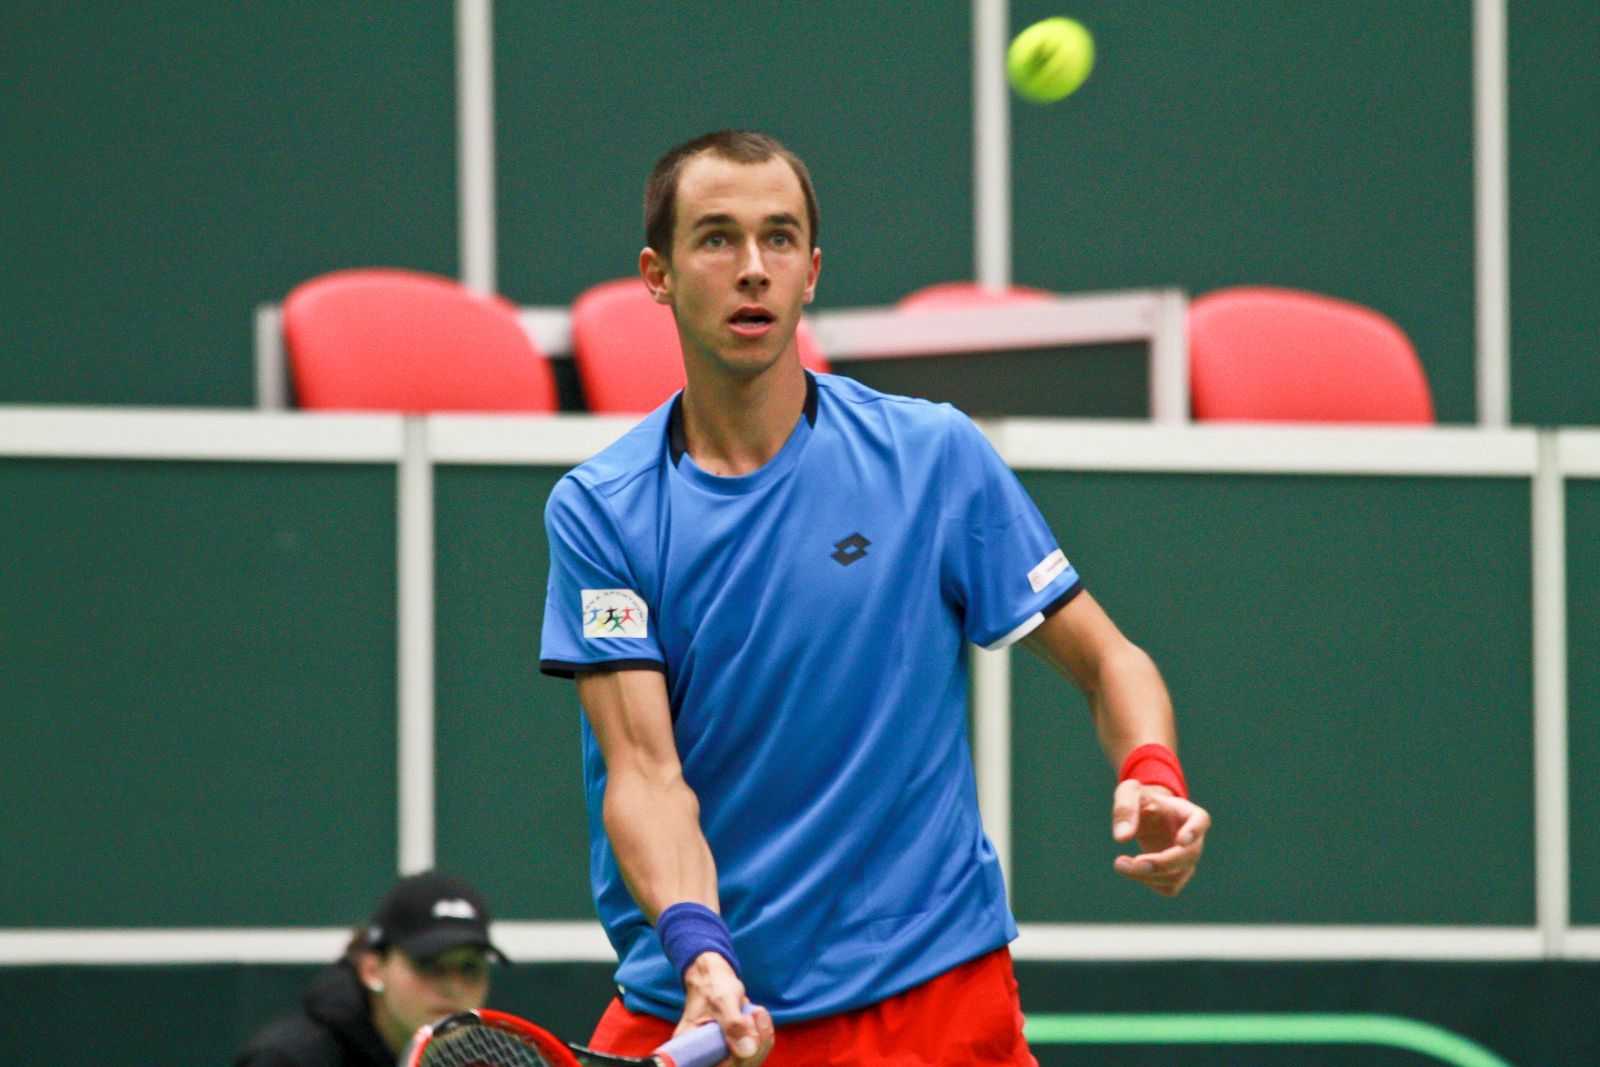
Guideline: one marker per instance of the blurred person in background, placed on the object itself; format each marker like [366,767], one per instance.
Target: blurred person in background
[424,954]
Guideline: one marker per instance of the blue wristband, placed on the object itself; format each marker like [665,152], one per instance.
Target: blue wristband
[688,929]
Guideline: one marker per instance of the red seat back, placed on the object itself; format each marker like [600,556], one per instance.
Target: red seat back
[1260,354]
[393,340]
[627,351]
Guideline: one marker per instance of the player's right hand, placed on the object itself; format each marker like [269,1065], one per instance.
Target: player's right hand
[714,992]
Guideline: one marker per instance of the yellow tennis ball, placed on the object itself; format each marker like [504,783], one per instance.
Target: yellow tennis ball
[1050,59]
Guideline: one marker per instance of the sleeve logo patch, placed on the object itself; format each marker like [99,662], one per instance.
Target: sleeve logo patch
[614,613]
[1048,570]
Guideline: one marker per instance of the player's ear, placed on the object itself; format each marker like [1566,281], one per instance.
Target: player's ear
[657,274]
[816,269]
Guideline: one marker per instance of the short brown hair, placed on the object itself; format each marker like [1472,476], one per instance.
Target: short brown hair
[740,146]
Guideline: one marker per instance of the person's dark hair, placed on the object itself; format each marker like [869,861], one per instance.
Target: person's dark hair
[740,146]
[359,945]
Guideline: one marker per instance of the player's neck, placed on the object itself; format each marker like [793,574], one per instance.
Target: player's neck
[734,426]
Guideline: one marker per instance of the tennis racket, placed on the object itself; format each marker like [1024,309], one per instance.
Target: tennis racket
[487,1038]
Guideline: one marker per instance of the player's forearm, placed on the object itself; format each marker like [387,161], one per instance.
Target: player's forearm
[1130,704]
[651,816]
[653,824]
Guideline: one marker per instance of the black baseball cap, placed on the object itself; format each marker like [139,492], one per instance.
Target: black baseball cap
[428,914]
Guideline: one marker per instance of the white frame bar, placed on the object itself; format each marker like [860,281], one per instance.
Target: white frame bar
[530,942]
[522,440]
[1051,444]
[415,756]
[1047,941]
[272,363]
[1491,227]
[550,328]
[1068,319]
[1552,819]
[991,746]
[475,142]
[991,145]
[197,434]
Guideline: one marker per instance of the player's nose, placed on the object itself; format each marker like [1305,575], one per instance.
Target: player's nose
[753,267]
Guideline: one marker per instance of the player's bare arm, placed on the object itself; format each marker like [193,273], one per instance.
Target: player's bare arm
[652,819]
[1131,708]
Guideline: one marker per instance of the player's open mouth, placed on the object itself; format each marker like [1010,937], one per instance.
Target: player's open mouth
[751,321]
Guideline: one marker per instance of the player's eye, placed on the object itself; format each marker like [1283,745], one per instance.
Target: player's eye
[715,240]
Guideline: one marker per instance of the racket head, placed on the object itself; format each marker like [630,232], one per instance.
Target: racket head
[486,1038]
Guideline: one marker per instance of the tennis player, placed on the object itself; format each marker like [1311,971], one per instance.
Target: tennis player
[764,591]
[424,954]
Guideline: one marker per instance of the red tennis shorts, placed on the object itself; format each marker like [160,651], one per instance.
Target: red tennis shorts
[969,1015]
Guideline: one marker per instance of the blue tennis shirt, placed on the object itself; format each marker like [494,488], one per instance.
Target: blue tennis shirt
[810,619]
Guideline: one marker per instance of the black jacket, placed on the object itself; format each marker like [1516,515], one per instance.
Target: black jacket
[333,1029]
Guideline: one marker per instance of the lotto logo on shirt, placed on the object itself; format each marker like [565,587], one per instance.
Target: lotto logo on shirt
[614,613]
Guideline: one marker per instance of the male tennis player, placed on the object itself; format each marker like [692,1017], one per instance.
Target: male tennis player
[764,591]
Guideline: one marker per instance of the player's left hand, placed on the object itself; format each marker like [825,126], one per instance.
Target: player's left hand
[1171,832]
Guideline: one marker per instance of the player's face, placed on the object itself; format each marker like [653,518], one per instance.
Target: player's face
[416,993]
[741,267]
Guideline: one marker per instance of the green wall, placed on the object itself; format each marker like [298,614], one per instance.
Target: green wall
[171,165]
[877,102]
[510,779]
[174,165]
[1583,695]
[199,692]
[1316,634]
[1555,212]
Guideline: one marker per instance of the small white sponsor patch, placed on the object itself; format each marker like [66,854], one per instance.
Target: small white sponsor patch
[1046,571]
[614,613]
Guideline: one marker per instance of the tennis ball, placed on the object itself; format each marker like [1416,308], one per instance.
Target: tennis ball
[1050,59]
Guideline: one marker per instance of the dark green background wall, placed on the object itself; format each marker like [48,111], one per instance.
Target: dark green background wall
[171,167]
[197,680]
[1583,693]
[1321,696]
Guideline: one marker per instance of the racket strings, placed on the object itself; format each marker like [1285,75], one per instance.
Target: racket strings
[481,1046]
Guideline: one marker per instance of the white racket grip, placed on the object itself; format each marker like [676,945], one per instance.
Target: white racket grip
[701,1047]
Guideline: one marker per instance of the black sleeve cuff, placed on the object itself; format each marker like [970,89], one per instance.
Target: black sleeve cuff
[561,669]
[1061,601]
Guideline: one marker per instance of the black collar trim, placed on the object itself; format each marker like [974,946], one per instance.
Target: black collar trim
[677,445]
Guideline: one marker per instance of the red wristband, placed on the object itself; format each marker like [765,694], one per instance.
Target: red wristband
[1154,765]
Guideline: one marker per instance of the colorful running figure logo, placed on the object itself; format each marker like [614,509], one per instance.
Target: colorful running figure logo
[614,613]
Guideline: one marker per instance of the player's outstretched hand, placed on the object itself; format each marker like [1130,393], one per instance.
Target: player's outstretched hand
[1171,832]
[714,991]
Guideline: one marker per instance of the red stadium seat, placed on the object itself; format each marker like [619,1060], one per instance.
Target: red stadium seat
[626,348]
[393,340]
[1260,354]
[968,294]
